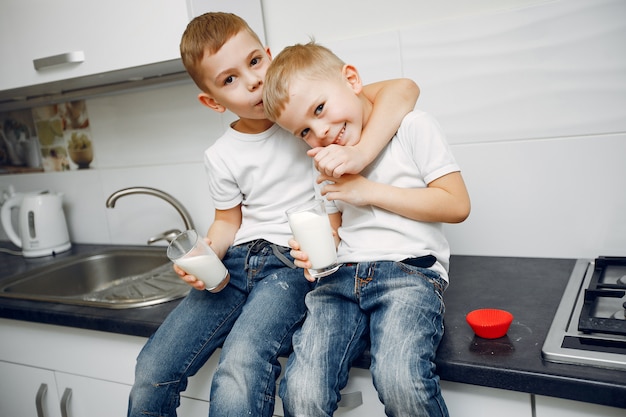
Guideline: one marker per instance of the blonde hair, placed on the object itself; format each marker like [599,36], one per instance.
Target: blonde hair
[309,61]
[208,33]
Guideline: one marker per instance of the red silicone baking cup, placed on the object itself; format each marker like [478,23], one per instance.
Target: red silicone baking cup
[489,323]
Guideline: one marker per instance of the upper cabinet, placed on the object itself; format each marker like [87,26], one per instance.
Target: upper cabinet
[49,47]
[74,38]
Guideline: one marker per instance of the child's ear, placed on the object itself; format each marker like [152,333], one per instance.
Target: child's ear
[207,100]
[353,78]
[268,52]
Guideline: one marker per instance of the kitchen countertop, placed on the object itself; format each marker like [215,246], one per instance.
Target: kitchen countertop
[530,288]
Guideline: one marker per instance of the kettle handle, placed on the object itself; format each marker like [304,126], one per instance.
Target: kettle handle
[5,218]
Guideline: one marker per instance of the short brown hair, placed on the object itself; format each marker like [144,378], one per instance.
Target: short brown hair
[310,61]
[208,33]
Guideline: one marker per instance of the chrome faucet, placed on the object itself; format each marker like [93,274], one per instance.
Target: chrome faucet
[168,235]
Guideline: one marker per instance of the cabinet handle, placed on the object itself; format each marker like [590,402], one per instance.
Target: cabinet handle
[75,57]
[351,400]
[65,401]
[43,388]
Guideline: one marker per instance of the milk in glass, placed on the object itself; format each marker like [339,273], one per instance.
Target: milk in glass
[311,228]
[191,253]
[207,268]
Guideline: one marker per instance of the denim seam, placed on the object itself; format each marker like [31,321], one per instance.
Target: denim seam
[439,283]
[208,339]
[271,381]
[361,282]
[348,349]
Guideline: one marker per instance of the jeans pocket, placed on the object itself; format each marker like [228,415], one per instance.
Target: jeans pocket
[439,283]
[432,278]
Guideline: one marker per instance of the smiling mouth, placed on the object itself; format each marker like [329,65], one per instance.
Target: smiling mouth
[340,135]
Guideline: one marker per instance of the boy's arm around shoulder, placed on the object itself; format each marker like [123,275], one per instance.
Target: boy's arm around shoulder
[392,100]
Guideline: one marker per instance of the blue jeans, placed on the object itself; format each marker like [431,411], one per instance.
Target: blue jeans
[253,319]
[400,309]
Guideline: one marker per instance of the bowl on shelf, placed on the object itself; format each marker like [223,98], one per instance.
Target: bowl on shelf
[489,323]
[81,157]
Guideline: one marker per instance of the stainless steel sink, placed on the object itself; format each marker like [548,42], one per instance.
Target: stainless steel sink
[112,279]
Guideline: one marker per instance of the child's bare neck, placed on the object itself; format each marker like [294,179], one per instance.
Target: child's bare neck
[252,126]
[367,109]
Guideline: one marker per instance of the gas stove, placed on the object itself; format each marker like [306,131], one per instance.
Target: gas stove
[589,327]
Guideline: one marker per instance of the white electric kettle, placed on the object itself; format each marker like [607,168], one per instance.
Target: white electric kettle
[42,229]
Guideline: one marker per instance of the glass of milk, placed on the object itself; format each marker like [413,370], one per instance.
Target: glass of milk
[311,229]
[190,252]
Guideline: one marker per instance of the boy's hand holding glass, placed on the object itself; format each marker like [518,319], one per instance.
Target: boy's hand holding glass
[314,235]
[192,255]
[300,259]
[192,280]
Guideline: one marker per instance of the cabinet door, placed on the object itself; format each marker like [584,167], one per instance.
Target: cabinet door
[24,390]
[358,398]
[475,401]
[558,407]
[91,397]
[112,34]
[192,408]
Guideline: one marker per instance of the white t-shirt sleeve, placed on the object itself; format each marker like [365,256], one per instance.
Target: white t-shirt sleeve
[222,186]
[431,151]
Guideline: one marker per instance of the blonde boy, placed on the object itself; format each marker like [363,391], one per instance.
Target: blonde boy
[394,254]
[256,171]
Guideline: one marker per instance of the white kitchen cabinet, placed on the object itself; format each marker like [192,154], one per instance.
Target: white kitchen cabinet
[110,35]
[558,407]
[25,390]
[93,397]
[97,367]
[82,396]
[29,391]
[192,408]
[358,398]
[465,400]
[74,39]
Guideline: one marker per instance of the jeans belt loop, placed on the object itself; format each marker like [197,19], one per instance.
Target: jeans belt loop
[282,257]
[253,248]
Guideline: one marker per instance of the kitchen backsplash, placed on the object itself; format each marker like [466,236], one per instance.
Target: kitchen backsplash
[150,138]
[46,138]
[532,101]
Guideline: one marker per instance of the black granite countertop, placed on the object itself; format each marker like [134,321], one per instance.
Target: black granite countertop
[530,288]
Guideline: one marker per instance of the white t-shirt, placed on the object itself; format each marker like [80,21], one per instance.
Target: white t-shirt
[417,155]
[267,173]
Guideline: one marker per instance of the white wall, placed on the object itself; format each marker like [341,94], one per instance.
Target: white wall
[288,21]
[532,95]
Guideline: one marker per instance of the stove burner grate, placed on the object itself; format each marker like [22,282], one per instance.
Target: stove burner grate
[599,289]
[565,343]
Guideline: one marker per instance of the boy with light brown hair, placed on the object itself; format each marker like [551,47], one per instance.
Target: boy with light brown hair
[389,290]
[256,171]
